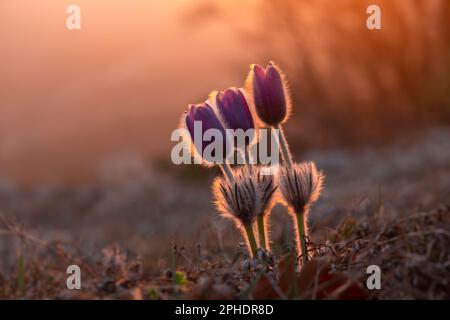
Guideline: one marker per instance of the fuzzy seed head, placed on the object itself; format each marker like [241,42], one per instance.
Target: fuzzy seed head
[300,186]
[238,200]
[267,188]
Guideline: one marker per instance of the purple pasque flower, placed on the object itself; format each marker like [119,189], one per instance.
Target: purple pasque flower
[205,117]
[269,94]
[234,110]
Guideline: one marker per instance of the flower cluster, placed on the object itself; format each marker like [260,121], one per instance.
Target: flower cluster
[246,194]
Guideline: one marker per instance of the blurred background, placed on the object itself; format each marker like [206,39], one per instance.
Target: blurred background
[86,115]
[70,99]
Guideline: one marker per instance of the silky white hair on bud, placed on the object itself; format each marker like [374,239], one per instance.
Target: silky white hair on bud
[300,186]
[248,87]
[240,200]
[267,194]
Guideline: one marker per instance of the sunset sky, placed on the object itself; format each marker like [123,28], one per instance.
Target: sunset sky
[70,97]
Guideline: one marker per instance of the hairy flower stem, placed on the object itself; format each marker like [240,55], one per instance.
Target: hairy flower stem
[286,154]
[251,239]
[300,217]
[248,159]
[226,169]
[247,156]
[262,233]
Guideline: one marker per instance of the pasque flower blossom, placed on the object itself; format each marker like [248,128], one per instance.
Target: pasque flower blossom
[245,194]
[269,94]
[208,119]
[234,110]
[271,101]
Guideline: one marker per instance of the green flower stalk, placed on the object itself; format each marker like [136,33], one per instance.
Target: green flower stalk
[251,239]
[285,153]
[262,233]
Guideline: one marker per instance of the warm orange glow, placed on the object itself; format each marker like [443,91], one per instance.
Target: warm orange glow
[122,79]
